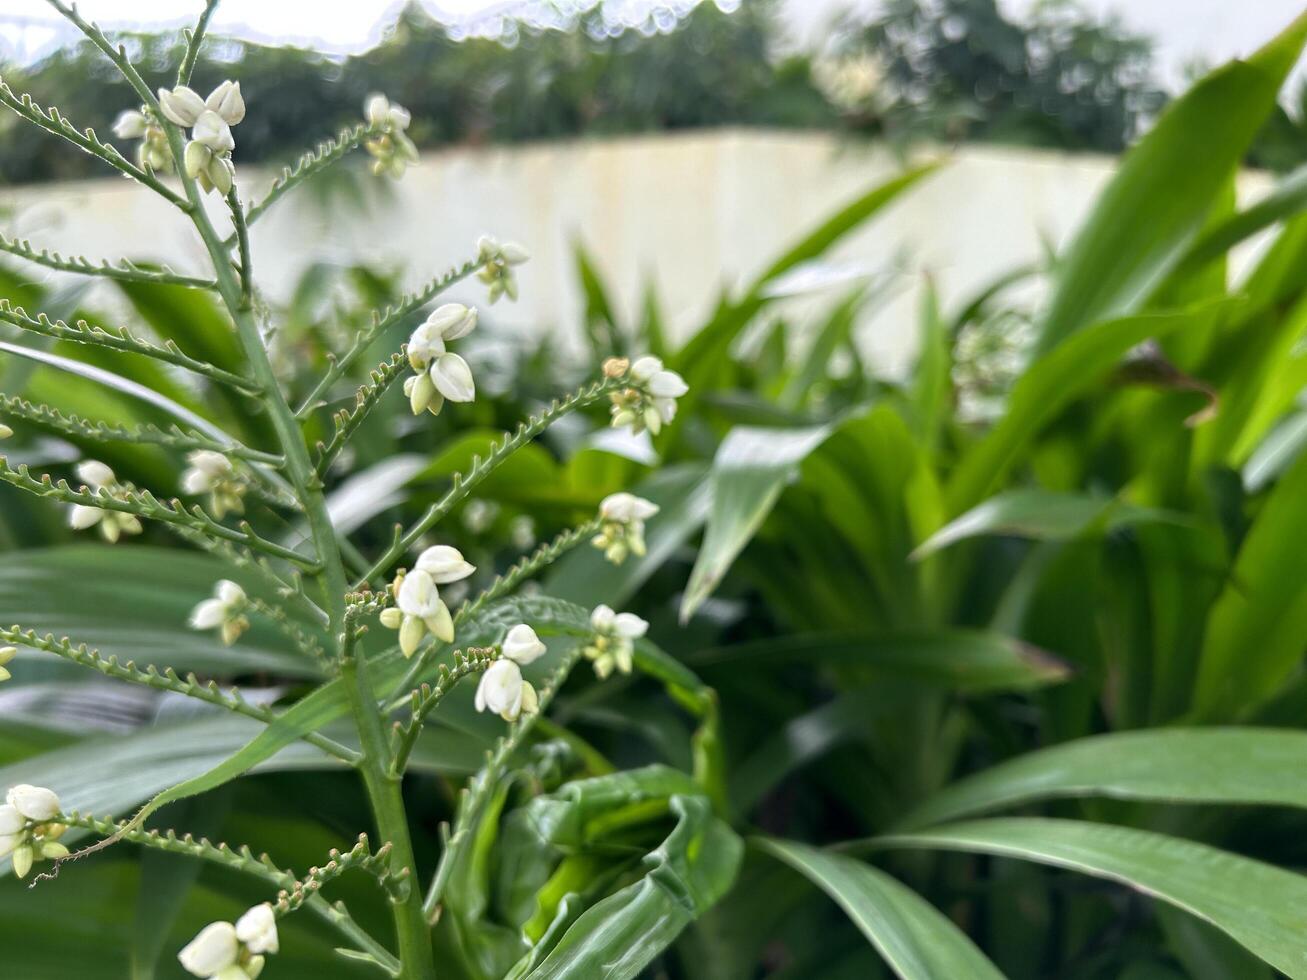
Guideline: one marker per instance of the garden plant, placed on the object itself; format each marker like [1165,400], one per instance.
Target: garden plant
[992,670]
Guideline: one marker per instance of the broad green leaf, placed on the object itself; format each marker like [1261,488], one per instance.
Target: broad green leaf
[132,601]
[1254,637]
[750,469]
[1259,906]
[916,940]
[1051,384]
[1172,765]
[616,938]
[1152,209]
[1041,515]
[968,661]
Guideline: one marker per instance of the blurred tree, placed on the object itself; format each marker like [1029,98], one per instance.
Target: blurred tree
[957,70]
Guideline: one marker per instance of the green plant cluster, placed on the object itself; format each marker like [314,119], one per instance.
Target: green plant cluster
[995,670]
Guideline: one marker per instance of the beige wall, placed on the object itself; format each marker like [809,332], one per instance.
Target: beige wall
[695,211]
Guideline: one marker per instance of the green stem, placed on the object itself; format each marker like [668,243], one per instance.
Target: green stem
[384,793]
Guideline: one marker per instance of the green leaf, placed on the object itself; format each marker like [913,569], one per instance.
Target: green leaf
[1253,642]
[1040,515]
[968,661]
[1179,765]
[749,471]
[1155,205]
[1259,906]
[916,940]
[1051,384]
[616,938]
[601,327]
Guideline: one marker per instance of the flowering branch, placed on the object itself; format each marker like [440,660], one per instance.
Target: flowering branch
[164,680]
[346,421]
[119,340]
[472,799]
[482,468]
[243,860]
[173,437]
[124,270]
[381,322]
[52,121]
[142,503]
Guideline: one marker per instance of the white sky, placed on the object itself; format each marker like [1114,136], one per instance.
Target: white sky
[1184,29]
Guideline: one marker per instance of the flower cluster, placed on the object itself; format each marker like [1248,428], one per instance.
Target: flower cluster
[208,154]
[224,612]
[650,400]
[98,477]
[418,608]
[497,263]
[621,531]
[6,655]
[227,951]
[503,689]
[613,643]
[441,374]
[391,149]
[28,831]
[154,153]
[213,473]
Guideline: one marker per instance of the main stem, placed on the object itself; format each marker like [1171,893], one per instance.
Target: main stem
[383,789]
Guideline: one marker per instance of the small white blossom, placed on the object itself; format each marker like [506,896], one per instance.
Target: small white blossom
[391,149]
[99,478]
[441,374]
[213,950]
[522,646]
[505,692]
[224,612]
[257,929]
[497,262]
[208,154]
[154,153]
[7,654]
[444,564]
[650,402]
[418,610]
[226,100]
[613,644]
[130,125]
[27,834]
[621,528]
[213,473]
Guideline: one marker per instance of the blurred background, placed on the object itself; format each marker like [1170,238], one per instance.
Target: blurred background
[676,143]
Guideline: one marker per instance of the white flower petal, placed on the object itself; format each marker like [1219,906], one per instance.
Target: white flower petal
[33,802]
[667,384]
[130,125]
[11,821]
[215,949]
[645,368]
[95,474]
[601,619]
[629,626]
[226,101]
[212,131]
[418,595]
[257,929]
[181,105]
[444,564]
[522,646]
[453,378]
[80,517]
[500,689]
[209,614]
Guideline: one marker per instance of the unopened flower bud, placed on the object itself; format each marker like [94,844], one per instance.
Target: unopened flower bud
[181,105]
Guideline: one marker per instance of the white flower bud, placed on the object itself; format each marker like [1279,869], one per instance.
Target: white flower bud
[452,321]
[227,102]
[6,655]
[80,517]
[33,802]
[500,690]
[95,474]
[453,378]
[215,949]
[629,626]
[425,344]
[23,857]
[257,929]
[5,431]
[212,130]
[181,105]
[522,646]
[418,596]
[392,618]
[626,507]
[645,368]
[130,125]
[421,392]
[377,109]
[221,173]
[667,384]
[444,564]
[196,159]
[411,631]
[208,615]
[513,253]
[601,618]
